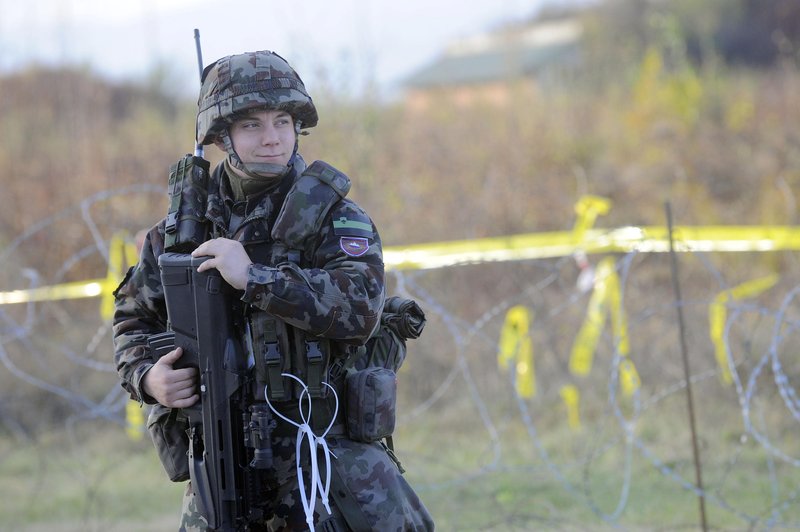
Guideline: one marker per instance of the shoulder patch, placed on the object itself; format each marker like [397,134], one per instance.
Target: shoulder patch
[352,226]
[354,246]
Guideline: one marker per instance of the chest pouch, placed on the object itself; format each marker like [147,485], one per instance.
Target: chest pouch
[279,348]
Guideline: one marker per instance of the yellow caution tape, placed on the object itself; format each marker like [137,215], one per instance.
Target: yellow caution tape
[74,290]
[134,417]
[718,315]
[582,239]
[120,252]
[515,343]
[572,398]
[593,241]
[517,247]
[516,346]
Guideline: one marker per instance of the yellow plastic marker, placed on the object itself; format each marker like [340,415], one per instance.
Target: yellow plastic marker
[119,253]
[134,416]
[516,346]
[606,299]
[582,357]
[587,209]
[718,315]
[572,398]
[585,345]
[629,379]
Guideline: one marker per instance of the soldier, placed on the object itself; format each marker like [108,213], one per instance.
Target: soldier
[253,106]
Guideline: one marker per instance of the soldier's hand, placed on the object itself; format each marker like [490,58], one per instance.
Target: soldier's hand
[175,388]
[228,257]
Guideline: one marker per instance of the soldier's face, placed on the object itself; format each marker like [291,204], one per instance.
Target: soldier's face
[264,137]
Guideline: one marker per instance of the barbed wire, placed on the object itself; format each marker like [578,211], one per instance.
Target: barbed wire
[455,366]
[628,444]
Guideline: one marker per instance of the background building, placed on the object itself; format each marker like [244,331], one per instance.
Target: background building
[484,67]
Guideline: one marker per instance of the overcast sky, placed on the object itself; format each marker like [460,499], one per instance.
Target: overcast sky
[385,40]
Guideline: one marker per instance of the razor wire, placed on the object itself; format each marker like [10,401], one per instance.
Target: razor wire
[629,443]
[468,377]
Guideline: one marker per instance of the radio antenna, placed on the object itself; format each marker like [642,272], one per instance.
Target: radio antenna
[199,53]
[198,148]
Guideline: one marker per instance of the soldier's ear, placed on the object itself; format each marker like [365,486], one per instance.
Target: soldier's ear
[219,144]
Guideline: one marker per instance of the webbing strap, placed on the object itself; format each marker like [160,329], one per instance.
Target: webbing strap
[317,189]
[315,367]
[273,359]
[389,447]
[269,363]
[329,175]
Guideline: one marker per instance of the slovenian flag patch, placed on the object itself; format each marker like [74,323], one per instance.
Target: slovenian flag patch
[354,246]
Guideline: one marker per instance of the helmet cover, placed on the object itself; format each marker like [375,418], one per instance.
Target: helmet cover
[254,80]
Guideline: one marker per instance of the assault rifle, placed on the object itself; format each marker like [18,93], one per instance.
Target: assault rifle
[230,444]
[229,433]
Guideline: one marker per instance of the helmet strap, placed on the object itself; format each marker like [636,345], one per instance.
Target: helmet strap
[297,125]
[258,170]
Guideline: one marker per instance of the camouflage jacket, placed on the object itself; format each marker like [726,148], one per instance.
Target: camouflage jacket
[336,292]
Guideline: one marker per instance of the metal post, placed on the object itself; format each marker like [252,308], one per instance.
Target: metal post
[687,374]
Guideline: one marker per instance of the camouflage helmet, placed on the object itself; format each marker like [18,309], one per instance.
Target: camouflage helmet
[253,80]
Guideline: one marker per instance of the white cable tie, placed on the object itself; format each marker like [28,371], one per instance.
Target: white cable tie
[307,501]
[304,430]
[322,442]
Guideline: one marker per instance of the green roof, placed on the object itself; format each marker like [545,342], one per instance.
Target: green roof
[492,65]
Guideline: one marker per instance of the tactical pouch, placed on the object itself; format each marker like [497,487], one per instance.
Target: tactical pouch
[167,428]
[278,349]
[371,398]
[270,347]
[188,194]
[311,360]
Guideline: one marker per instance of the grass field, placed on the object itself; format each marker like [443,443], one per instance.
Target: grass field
[97,479]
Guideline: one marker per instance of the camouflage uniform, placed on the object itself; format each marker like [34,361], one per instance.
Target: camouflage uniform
[334,291]
[337,294]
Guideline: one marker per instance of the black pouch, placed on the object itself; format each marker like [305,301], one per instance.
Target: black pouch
[186,227]
[371,404]
[167,428]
